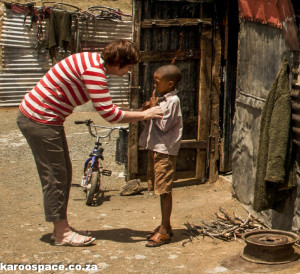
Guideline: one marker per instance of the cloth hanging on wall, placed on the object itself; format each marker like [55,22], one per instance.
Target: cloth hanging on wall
[59,33]
[275,174]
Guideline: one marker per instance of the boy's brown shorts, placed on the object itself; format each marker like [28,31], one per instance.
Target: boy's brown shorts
[160,172]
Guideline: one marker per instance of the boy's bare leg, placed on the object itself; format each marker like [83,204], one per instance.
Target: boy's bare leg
[166,210]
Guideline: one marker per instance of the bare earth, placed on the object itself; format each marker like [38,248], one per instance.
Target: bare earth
[120,223]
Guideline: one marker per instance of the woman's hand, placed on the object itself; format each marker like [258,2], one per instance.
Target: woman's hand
[152,113]
[148,114]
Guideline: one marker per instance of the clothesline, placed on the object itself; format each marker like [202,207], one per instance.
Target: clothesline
[59,19]
[39,14]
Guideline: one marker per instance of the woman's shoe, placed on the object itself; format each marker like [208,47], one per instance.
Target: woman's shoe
[69,241]
[81,232]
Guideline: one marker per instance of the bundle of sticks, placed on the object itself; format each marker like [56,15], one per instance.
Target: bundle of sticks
[225,227]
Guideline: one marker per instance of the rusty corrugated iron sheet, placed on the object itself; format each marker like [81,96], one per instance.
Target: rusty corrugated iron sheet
[271,12]
[276,13]
[262,11]
[24,62]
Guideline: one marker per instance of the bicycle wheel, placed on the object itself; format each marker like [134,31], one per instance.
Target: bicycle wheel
[105,12]
[60,6]
[92,187]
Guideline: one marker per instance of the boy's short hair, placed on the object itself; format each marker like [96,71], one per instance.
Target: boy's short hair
[121,53]
[170,73]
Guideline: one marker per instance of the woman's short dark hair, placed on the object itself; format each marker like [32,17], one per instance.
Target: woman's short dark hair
[121,53]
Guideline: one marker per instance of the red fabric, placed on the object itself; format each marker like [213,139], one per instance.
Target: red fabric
[263,11]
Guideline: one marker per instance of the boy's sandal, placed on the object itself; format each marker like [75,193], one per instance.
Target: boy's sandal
[170,231]
[158,239]
[70,241]
[81,232]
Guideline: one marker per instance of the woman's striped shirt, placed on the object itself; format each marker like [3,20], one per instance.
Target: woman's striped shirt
[72,82]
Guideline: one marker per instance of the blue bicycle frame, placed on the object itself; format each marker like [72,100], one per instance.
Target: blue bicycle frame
[93,160]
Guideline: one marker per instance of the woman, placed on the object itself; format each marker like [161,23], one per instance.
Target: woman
[72,82]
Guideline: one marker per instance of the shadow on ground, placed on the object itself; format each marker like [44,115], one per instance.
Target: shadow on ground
[125,235]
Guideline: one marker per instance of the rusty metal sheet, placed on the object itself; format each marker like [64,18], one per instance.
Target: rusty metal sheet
[263,11]
[277,13]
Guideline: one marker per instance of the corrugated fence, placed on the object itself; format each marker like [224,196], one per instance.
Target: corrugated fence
[24,61]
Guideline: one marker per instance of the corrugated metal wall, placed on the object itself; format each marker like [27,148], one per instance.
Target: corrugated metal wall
[23,64]
[261,51]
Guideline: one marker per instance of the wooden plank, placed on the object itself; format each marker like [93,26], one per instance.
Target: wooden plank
[134,96]
[228,89]
[161,56]
[199,144]
[204,103]
[208,124]
[178,22]
[215,107]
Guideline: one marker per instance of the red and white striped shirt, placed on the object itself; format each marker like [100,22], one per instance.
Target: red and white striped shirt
[72,82]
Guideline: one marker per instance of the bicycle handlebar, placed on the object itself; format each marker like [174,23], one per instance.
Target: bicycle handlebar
[89,124]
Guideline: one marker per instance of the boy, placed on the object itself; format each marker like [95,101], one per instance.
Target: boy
[162,138]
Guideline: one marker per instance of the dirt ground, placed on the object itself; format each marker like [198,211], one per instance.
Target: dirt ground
[119,223]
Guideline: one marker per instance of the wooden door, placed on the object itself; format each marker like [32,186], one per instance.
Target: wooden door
[164,30]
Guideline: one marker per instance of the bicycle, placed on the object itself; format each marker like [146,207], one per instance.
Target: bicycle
[93,168]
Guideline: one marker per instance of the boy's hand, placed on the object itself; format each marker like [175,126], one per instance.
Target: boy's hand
[146,105]
[153,100]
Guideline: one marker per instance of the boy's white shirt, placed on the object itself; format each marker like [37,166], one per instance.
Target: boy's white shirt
[164,135]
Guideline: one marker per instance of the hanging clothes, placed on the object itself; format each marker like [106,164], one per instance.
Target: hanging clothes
[275,174]
[59,33]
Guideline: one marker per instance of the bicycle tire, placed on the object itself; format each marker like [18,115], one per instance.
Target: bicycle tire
[105,12]
[95,186]
[55,5]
